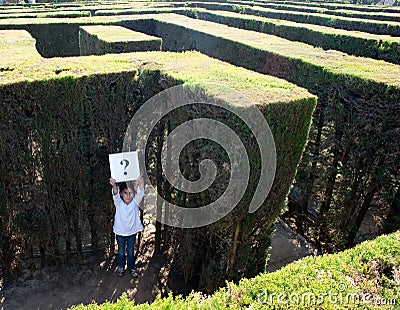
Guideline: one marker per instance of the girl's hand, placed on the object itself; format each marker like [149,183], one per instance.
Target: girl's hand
[114,185]
[141,182]
[113,182]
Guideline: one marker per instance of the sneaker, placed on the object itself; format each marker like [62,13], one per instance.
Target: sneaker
[120,271]
[134,273]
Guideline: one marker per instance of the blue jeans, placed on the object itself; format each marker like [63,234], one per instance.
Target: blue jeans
[126,243]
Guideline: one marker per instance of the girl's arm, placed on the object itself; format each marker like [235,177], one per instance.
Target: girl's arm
[114,185]
[141,183]
[140,191]
[115,192]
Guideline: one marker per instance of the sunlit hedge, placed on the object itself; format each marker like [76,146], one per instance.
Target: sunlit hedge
[100,40]
[351,42]
[353,24]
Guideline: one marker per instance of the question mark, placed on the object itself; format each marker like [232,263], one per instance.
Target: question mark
[127,164]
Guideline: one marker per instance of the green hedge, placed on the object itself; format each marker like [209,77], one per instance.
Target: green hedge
[349,11]
[354,43]
[55,37]
[66,113]
[365,15]
[366,45]
[100,40]
[364,277]
[46,14]
[134,11]
[352,24]
[358,7]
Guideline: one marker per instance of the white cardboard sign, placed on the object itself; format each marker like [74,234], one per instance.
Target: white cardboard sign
[124,166]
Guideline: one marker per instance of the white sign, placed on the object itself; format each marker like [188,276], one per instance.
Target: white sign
[124,166]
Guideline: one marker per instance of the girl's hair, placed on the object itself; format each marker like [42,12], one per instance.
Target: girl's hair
[123,186]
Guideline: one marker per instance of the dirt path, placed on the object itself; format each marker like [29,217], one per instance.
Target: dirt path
[94,280]
[287,246]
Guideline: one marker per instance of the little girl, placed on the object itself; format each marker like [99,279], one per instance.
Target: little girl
[126,223]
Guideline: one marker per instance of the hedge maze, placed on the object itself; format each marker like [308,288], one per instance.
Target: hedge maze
[325,76]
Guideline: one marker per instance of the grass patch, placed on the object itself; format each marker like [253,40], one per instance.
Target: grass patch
[17,48]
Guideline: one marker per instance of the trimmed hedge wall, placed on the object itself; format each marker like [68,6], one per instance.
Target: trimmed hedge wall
[365,15]
[100,40]
[352,24]
[61,113]
[358,7]
[46,14]
[57,38]
[60,37]
[354,43]
[347,12]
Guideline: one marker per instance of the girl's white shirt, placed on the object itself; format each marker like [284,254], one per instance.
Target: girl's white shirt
[127,218]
